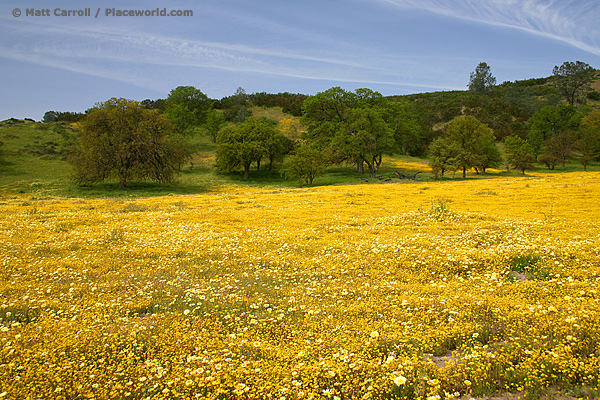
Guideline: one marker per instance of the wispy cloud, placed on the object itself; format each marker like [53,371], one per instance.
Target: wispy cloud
[103,52]
[571,21]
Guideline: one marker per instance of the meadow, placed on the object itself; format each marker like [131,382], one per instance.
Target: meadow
[426,290]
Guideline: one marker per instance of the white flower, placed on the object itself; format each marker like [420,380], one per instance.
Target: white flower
[399,380]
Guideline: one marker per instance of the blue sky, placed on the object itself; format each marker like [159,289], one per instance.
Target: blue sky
[302,46]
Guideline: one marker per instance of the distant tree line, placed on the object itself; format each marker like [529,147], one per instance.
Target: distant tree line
[290,103]
[59,116]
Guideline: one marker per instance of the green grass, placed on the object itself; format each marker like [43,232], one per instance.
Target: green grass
[33,162]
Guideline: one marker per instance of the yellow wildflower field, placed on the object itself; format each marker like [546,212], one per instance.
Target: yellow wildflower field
[427,290]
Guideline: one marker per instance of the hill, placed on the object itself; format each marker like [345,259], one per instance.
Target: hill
[506,108]
[33,154]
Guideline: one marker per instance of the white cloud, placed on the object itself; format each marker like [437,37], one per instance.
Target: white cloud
[104,52]
[571,21]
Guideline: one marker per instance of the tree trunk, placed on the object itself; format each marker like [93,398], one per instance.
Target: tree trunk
[464,172]
[361,166]
[246,171]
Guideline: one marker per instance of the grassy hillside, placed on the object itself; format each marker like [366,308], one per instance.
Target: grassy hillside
[34,163]
[505,109]
[32,157]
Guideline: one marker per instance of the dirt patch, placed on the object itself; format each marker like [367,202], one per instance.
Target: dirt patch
[520,277]
[549,394]
[443,361]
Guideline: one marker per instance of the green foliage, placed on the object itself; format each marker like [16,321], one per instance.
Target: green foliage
[240,113]
[123,139]
[505,108]
[593,95]
[360,127]
[467,143]
[442,156]
[305,164]
[215,120]
[50,116]
[410,133]
[482,80]
[366,138]
[247,143]
[187,107]
[552,132]
[475,141]
[573,79]
[486,153]
[158,104]
[439,209]
[56,116]
[519,153]
[523,263]
[290,103]
[325,113]
[588,143]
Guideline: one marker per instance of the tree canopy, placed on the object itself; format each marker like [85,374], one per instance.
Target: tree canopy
[467,143]
[305,164]
[247,143]
[572,78]
[121,138]
[552,133]
[519,153]
[588,142]
[187,106]
[360,126]
[482,79]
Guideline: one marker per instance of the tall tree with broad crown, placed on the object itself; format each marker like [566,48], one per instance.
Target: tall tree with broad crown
[186,107]
[472,138]
[124,139]
[572,78]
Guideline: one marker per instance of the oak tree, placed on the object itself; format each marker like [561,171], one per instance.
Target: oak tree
[519,153]
[305,164]
[572,79]
[122,139]
[186,107]
[246,143]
